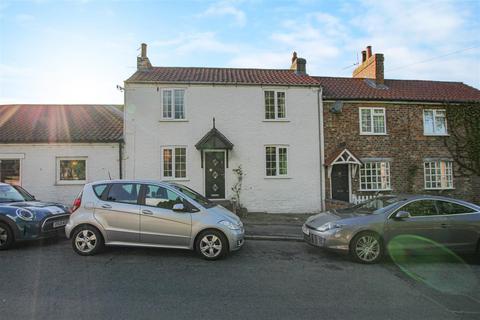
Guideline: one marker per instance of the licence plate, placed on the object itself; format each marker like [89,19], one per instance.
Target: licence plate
[305,230]
[60,223]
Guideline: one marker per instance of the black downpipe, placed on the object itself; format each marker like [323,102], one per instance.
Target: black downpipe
[120,161]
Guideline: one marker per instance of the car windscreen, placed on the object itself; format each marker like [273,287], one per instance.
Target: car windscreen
[195,196]
[11,194]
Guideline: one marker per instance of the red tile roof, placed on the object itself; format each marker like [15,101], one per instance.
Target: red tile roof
[223,76]
[397,90]
[60,123]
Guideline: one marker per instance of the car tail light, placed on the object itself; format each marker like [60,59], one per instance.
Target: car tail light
[77,203]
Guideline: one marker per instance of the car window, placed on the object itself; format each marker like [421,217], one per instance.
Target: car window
[10,194]
[421,208]
[447,207]
[123,192]
[160,197]
[99,188]
[195,196]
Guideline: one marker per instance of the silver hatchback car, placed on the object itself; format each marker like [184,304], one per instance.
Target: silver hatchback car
[151,214]
[366,230]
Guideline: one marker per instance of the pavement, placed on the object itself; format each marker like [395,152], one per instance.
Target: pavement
[264,226]
[265,280]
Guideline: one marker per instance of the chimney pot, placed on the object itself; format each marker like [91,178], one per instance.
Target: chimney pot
[301,68]
[294,56]
[144,50]
[364,56]
[369,51]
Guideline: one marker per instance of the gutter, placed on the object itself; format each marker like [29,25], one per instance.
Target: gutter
[321,147]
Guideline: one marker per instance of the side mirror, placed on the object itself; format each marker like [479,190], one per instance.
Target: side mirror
[400,215]
[179,207]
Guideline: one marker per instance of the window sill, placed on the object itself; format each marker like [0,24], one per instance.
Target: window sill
[173,120]
[175,179]
[375,190]
[438,189]
[64,183]
[275,120]
[436,135]
[373,134]
[277,177]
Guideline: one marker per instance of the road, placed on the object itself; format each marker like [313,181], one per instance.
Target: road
[265,280]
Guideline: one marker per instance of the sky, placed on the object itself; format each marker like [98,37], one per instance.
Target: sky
[79,51]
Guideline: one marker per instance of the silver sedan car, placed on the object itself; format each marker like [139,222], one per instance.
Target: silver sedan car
[151,214]
[364,231]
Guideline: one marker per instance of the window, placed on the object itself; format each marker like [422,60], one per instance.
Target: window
[434,122]
[275,105]
[71,170]
[173,104]
[375,176]
[420,208]
[10,171]
[438,175]
[276,161]
[446,207]
[372,121]
[98,189]
[174,162]
[160,197]
[124,193]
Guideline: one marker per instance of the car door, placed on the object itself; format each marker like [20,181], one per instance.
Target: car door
[159,224]
[118,212]
[425,221]
[462,225]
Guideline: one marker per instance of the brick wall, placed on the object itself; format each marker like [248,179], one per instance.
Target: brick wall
[404,143]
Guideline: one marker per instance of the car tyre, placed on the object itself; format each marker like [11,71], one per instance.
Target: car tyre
[87,240]
[367,247]
[6,236]
[212,245]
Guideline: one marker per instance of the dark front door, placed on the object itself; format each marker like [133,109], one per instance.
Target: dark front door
[340,188]
[215,174]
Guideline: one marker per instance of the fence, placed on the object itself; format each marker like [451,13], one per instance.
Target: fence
[356,199]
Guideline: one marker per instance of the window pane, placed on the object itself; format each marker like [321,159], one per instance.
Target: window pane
[271,161]
[167,162]
[269,104]
[440,122]
[167,103]
[378,121]
[366,120]
[428,122]
[160,197]
[281,104]
[421,208]
[179,107]
[282,165]
[10,171]
[180,163]
[123,192]
[71,170]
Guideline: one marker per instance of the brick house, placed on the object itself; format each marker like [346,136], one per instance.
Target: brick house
[384,135]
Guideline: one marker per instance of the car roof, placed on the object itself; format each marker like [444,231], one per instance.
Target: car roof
[410,197]
[142,181]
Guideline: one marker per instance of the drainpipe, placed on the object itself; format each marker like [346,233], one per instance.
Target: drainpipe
[120,161]
[321,147]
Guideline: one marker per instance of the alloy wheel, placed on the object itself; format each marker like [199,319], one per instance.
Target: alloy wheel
[367,248]
[3,236]
[85,241]
[210,246]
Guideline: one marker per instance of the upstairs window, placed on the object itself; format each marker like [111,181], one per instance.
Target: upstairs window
[173,104]
[372,121]
[438,175]
[276,158]
[275,105]
[174,162]
[434,122]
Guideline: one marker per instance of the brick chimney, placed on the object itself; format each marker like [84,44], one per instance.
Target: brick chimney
[371,66]
[299,65]
[143,63]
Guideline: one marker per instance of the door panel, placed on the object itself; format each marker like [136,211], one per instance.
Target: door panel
[215,174]
[340,183]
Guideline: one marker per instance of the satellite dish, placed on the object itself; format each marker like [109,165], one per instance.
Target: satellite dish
[337,107]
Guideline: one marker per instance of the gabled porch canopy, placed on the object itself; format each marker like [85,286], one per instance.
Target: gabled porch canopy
[214,140]
[342,156]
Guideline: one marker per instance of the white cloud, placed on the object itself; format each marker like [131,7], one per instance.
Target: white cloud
[196,42]
[225,8]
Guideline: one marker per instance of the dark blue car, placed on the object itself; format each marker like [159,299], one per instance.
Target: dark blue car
[24,218]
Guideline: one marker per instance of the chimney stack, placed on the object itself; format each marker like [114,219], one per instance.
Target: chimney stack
[143,63]
[299,65]
[371,67]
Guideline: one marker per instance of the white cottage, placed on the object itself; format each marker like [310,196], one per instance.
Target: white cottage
[196,125]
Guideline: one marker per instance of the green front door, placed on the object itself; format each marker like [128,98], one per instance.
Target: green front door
[215,174]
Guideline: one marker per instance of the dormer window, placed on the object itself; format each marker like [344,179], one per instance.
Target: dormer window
[275,105]
[173,104]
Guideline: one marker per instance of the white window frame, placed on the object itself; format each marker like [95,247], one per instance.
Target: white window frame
[275,96]
[387,177]
[446,177]
[70,182]
[15,156]
[434,123]
[277,161]
[172,117]
[173,177]
[371,109]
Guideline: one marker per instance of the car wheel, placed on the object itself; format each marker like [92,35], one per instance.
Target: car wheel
[366,247]
[87,240]
[6,236]
[212,245]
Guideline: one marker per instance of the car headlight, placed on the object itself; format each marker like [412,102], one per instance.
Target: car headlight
[25,214]
[229,225]
[329,226]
